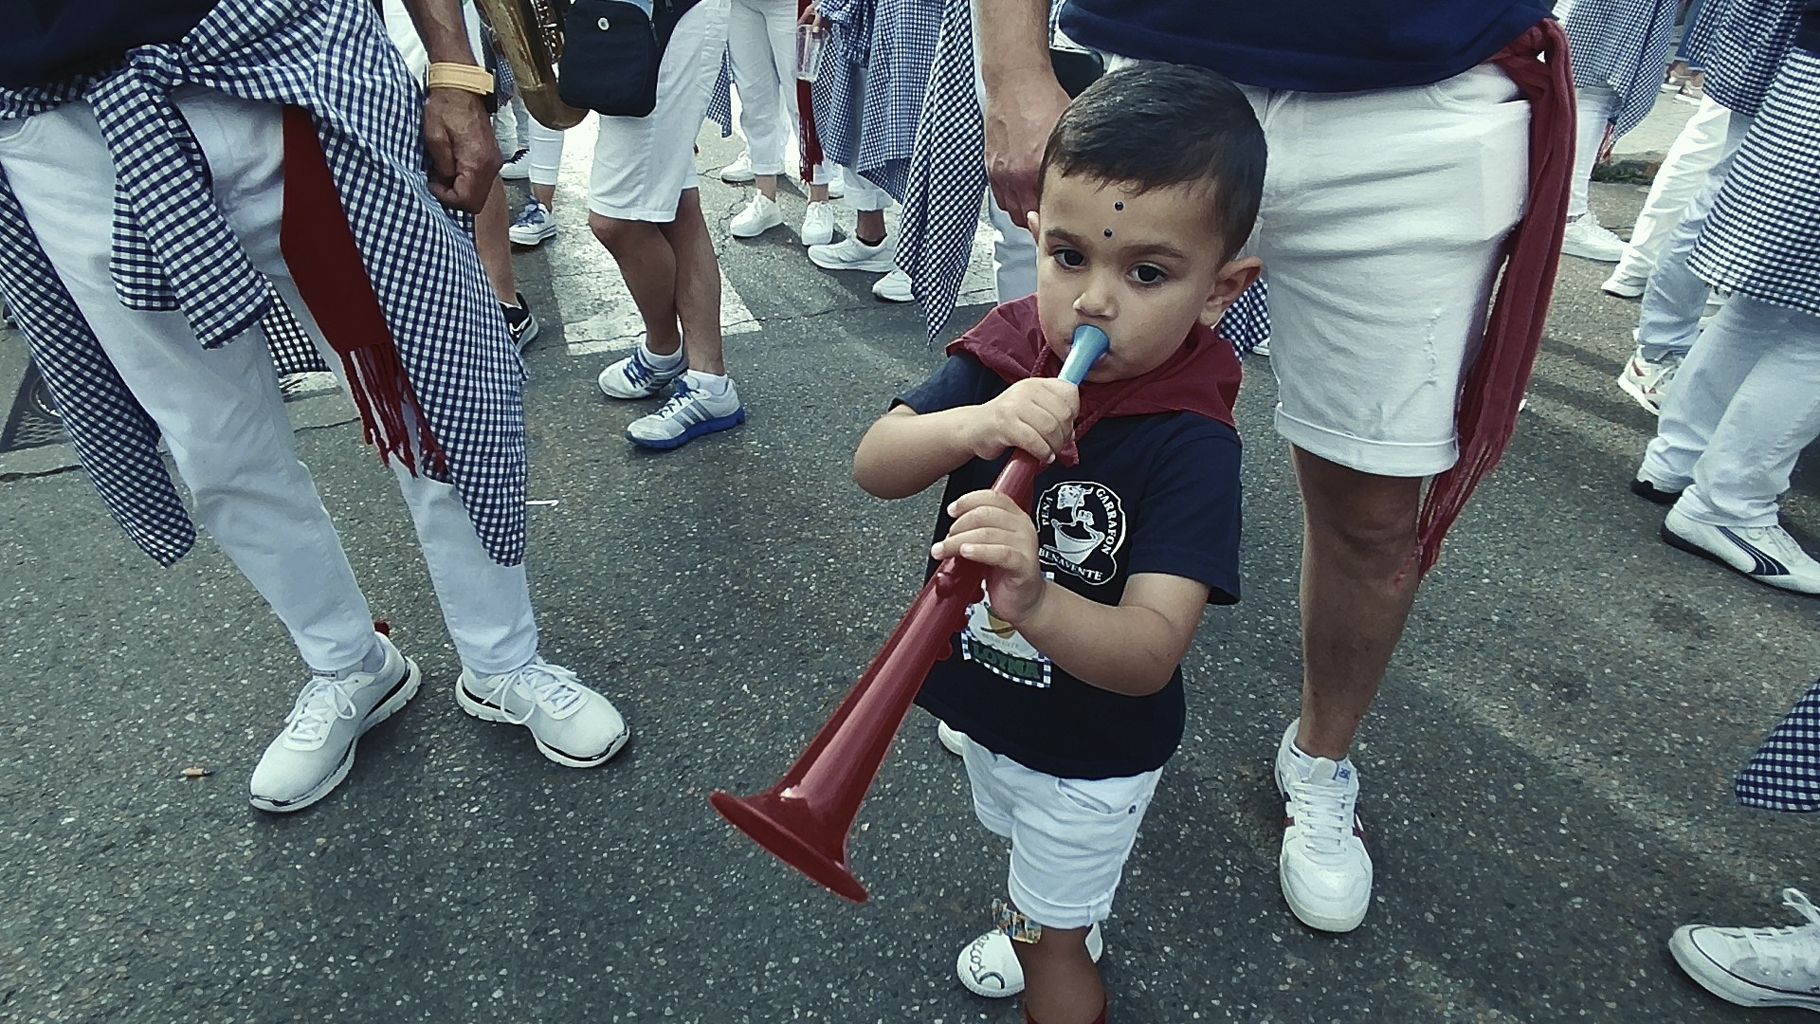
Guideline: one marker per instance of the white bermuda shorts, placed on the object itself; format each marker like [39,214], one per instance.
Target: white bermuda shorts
[643,165]
[1069,837]
[1383,228]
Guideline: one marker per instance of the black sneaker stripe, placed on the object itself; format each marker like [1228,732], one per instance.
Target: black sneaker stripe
[1766,566]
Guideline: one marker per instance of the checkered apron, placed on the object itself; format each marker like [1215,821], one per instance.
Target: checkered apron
[1748,47]
[173,250]
[1701,34]
[1763,236]
[1622,45]
[875,75]
[1784,775]
[946,191]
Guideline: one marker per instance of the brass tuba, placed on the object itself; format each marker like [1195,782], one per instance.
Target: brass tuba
[530,34]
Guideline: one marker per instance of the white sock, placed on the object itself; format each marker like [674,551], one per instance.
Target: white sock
[1304,761]
[714,384]
[669,362]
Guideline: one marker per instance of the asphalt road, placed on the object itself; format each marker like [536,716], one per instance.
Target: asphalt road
[1547,773]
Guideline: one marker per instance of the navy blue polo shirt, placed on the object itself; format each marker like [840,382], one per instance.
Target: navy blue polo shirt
[45,41]
[1151,494]
[1307,45]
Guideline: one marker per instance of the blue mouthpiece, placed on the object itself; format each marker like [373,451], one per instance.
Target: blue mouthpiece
[1090,343]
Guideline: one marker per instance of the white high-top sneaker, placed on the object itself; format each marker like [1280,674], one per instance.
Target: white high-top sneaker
[1756,966]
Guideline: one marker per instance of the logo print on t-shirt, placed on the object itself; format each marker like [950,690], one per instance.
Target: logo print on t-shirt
[996,646]
[1080,526]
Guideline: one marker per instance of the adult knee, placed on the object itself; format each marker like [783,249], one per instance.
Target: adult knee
[612,232]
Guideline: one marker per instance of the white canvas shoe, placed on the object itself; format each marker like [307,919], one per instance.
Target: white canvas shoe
[1756,966]
[818,224]
[759,216]
[1589,240]
[988,966]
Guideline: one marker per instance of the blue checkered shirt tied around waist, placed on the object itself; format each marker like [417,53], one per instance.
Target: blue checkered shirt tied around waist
[1622,45]
[1748,48]
[173,250]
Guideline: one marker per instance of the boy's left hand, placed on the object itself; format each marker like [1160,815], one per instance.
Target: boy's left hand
[992,530]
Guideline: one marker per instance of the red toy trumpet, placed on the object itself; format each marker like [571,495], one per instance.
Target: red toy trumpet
[805,819]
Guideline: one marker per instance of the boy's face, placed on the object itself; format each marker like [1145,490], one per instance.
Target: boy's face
[1142,268]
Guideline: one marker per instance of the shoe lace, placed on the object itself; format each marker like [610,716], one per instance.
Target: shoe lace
[1773,946]
[322,702]
[638,371]
[679,399]
[1325,810]
[532,213]
[551,687]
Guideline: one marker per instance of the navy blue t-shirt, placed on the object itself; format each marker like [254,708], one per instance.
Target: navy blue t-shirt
[1308,45]
[1151,494]
[45,41]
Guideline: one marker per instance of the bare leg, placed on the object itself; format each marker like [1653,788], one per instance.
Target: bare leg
[490,228]
[697,284]
[767,184]
[1061,981]
[545,194]
[1358,583]
[869,226]
[818,193]
[649,266]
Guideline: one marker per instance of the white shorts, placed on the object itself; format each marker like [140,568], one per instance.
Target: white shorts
[1069,837]
[1382,231]
[643,165]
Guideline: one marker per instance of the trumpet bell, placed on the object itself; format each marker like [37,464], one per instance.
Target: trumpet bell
[791,830]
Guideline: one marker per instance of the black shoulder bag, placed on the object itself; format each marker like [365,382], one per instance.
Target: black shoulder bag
[611,52]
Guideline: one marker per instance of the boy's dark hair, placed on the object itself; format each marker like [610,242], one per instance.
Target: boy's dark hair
[1152,126]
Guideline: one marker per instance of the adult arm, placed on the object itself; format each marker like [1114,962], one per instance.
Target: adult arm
[1023,98]
[457,134]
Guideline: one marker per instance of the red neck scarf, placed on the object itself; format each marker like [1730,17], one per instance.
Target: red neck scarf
[1201,377]
[1537,62]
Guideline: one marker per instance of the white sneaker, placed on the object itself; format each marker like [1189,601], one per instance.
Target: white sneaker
[952,740]
[1756,966]
[518,168]
[636,377]
[759,216]
[1324,868]
[988,966]
[1262,348]
[1587,239]
[534,226]
[1766,554]
[894,287]
[818,224]
[1648,380]
[573,725]
[1624,285]
[690,413]
[739,172]
[314,752]
[853,254]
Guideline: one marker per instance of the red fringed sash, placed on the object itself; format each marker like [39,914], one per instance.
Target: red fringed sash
[318,246]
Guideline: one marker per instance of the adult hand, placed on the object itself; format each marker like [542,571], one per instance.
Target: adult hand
[990,529]
[463,151]
[1019,117]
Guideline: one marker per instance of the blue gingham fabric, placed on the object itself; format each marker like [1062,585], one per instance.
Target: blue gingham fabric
[945,195]
[1622,45]
[1747,48]
[1700,34]
[1763,235]
[173,251]
[720,102]
[293,350]
[870,90]
[1784,775]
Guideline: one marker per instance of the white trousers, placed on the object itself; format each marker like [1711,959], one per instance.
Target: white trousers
[545,153]
[1013,247]
[221,411]
[1684,169]
[1595,104]
[1744,404]
[761,38]
[1675,297]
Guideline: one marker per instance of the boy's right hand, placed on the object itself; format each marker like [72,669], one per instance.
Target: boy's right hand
[1034,415]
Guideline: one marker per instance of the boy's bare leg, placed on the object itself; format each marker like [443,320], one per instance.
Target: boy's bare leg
[1061,981]
[490,227]
[1358,583]
[649,266]
[697,296]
